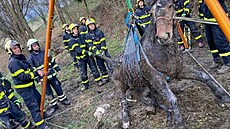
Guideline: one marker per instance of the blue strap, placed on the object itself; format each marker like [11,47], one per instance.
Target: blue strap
[127,19]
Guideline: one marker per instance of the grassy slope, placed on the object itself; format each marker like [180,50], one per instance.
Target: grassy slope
[111,19]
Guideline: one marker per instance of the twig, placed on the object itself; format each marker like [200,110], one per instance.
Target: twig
[76,105]
[61,127]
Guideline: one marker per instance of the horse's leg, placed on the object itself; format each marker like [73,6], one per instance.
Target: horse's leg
[149,100]
[163,88]
[124,104]
[190,73]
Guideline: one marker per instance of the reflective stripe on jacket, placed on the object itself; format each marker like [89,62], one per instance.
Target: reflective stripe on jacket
[37,62]
[96,40]
[182,6]
[21,71]
[143,15]
[206,14]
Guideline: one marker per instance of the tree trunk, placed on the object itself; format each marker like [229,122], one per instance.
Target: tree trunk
[40,14]
[66,11]
[27,29]
[11,14]
[86,7]
[59,13]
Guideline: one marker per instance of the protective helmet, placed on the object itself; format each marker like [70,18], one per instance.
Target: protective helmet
[30,42]
[71,26]
[90,21]
[63,26]
[81,18]
[10,44]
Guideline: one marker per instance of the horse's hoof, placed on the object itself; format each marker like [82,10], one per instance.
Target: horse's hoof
[125,125]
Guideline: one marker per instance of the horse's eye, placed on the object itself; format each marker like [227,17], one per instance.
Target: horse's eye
[170,6]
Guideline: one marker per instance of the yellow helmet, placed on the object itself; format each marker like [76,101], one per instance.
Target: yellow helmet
[81,18]
[90,21]
[71,26]
[10,44]
[63,26]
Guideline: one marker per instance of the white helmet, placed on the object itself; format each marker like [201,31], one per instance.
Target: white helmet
[10,44]
[30,42]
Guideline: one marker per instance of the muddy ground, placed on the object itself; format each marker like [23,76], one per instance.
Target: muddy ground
[195,100]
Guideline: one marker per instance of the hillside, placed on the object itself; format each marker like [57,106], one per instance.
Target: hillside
[196,103]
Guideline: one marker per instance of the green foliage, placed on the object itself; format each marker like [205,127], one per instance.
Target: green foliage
[115,46]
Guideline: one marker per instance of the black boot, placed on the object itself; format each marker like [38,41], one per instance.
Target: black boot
[31,126]
[51,109]
[66,102]
[99,83]
[13,124]
[105,80]
[85,86]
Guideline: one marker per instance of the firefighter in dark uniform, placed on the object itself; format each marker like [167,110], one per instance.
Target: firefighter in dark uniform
[95,39]
[10,107]
[9,91]
[84,57]
[23,77]
[182,8]
[143,16]
[71,45]
[83,28]
[216,39]
[66,35]
[36,60]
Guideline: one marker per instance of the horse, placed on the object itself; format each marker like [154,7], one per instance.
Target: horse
[159,53]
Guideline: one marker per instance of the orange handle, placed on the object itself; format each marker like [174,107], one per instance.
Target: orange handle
[220,15]
[46,60]
[182,35]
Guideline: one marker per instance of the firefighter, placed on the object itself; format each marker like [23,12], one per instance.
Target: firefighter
[10,107]
[83,29]
[218,43]
[182,8]
[8,90]
[23,78]
[66,35]
[95,39]
[143,16]
[36,59]
[84,57]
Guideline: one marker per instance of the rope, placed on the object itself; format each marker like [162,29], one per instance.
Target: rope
[61,127]
[77,105]
[208,73]
[195,20]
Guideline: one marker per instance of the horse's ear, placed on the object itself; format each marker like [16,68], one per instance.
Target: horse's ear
[154,1]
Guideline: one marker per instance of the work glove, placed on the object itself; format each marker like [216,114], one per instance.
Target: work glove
[2,125]
[135,16]
[90,53]
[102,52]
[18,104]
[98,53]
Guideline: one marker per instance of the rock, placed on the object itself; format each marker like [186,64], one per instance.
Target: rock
[100,111]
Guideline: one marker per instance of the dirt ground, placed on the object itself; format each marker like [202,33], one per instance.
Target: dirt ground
[195,100]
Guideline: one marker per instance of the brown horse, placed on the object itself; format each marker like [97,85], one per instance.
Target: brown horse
[141,80]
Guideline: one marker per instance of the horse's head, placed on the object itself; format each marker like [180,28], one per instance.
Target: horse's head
[163,12]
